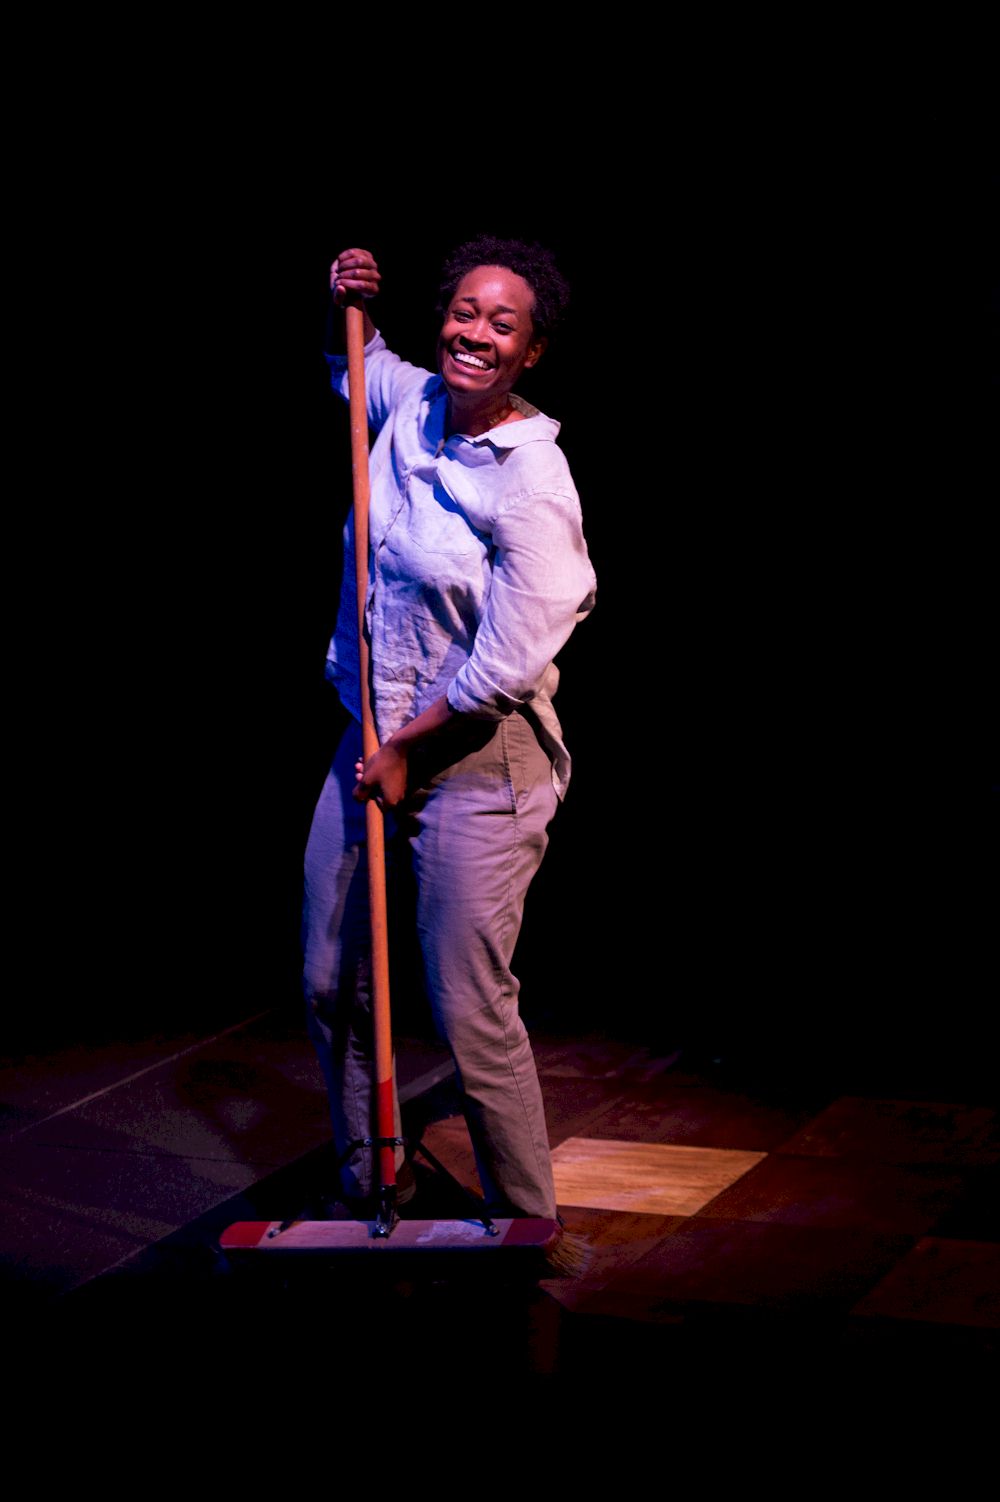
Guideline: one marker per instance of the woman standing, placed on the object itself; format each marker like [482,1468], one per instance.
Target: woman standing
[478,571]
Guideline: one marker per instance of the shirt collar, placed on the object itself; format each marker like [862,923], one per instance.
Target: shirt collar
[535,426]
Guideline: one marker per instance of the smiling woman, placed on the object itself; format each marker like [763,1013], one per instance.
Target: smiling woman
[487,340]
[477,574]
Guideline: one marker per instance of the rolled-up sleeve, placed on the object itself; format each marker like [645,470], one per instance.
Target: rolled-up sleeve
[542,584]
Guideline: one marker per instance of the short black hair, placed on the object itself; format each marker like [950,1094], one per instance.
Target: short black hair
[532,261]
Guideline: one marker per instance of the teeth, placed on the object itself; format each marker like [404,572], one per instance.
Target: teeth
[471,360]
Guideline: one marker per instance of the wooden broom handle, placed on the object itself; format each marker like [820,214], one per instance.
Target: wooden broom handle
[385,1122]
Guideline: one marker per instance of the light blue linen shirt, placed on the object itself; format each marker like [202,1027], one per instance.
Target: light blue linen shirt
[477,569]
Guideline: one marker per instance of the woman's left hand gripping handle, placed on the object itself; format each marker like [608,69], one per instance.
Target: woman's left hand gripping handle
[383,778]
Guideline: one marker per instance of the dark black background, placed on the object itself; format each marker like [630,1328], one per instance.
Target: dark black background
[769,386]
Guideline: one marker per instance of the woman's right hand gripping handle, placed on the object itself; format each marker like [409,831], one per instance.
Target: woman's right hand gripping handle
[353,271]
[353,274]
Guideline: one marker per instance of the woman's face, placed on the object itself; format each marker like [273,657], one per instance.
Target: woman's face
[488,337]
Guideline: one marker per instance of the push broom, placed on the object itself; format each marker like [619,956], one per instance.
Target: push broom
[541,1245]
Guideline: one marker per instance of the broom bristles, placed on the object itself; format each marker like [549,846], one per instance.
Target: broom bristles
[569,1255]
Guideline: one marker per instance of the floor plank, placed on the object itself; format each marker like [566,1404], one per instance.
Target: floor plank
[901,1131]
[651,1178]
[786,1270]
[947,1282]
[886,1197]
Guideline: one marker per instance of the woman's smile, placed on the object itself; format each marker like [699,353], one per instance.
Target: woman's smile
[466,357]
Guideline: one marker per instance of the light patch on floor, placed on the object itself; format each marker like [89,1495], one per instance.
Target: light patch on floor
[647,1177]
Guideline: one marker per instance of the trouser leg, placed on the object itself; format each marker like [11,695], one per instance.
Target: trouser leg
[337,963]
[478,839]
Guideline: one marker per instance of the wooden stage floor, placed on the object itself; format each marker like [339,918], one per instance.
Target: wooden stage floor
[725,1211]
